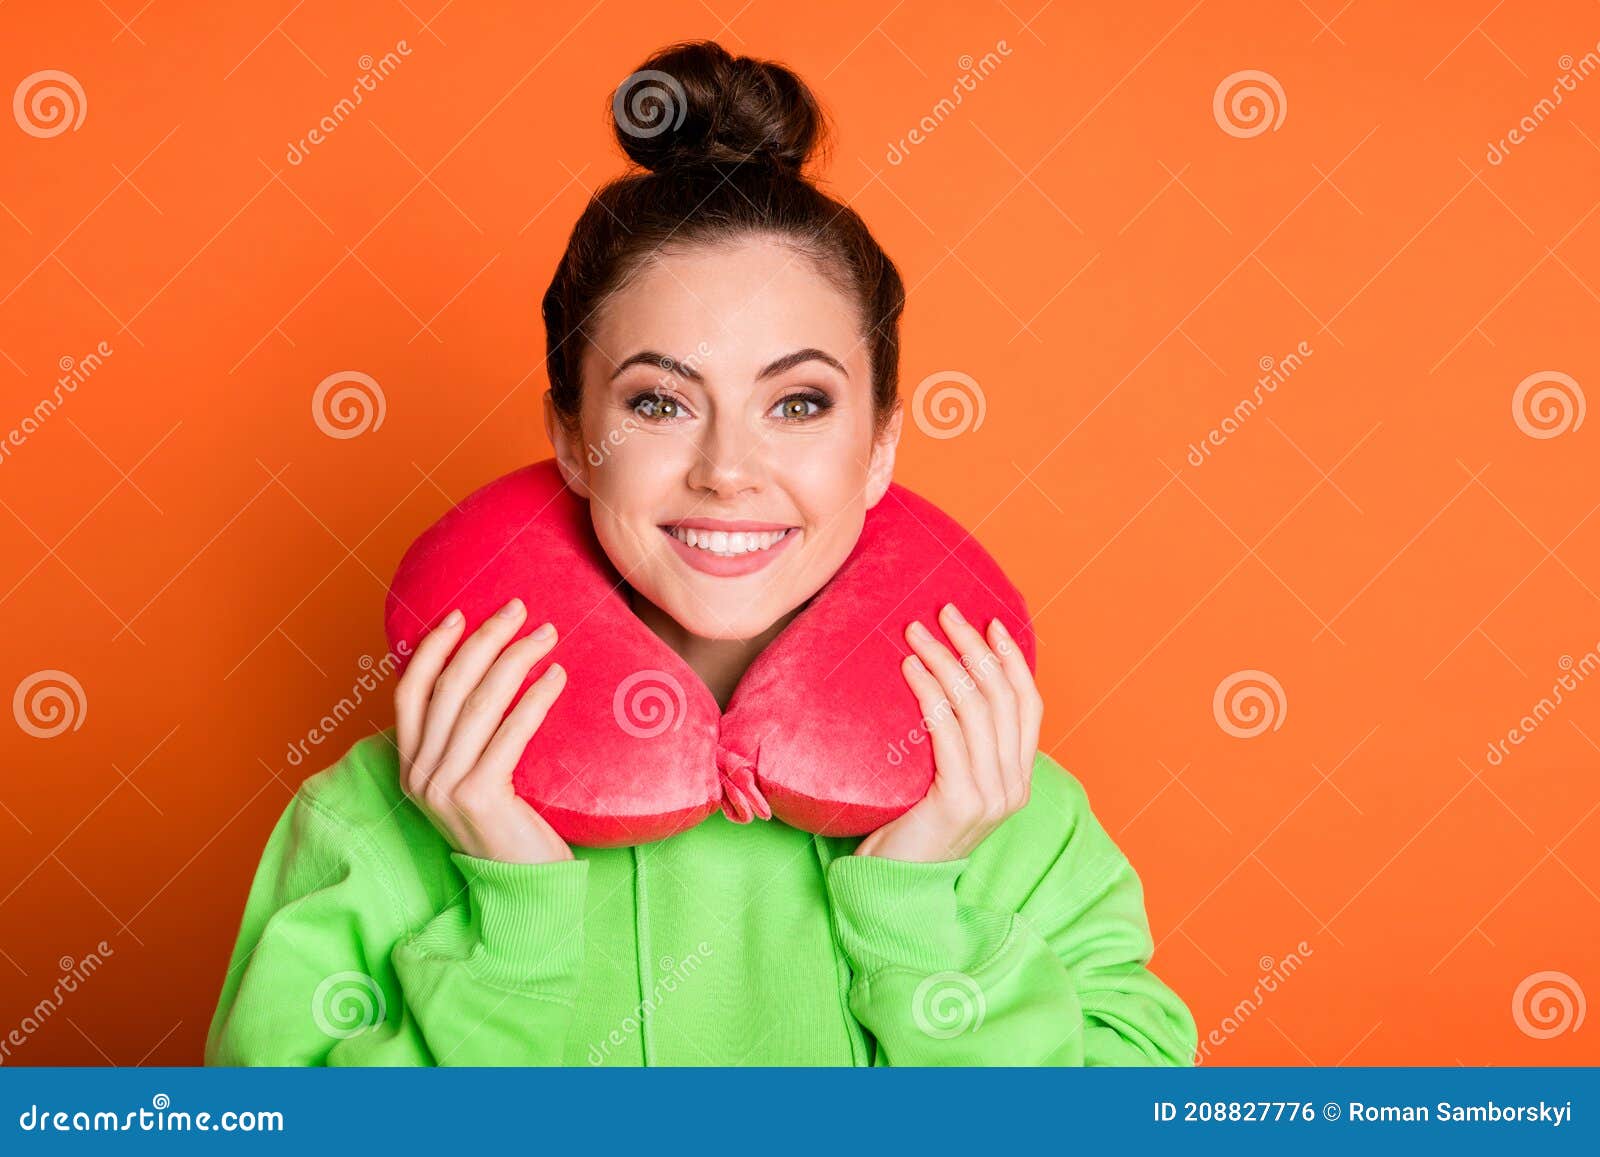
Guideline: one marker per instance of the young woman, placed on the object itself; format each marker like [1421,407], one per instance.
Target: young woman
[729,334]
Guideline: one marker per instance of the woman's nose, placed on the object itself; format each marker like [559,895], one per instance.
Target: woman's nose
[729,456]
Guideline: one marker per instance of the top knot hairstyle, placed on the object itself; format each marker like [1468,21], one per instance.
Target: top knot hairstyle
[722,141]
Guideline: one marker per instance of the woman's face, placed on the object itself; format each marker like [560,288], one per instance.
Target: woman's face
[727,434]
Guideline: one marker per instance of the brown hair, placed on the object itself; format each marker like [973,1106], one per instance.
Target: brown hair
[722,140]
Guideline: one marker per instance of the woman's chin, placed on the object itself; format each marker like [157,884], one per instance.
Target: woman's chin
[729,623]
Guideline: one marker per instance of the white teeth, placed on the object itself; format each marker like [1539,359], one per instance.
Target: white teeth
[725,543]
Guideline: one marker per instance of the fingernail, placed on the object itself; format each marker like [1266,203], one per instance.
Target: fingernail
[918,630]
[915,663]
[545,631]
[452,619]
[955,615]
[1000,631]
[510,609]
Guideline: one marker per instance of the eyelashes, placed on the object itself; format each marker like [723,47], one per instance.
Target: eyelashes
[659,403]
[654,398]
[821,401]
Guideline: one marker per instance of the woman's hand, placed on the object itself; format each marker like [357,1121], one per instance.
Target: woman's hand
[456,753]
[982,714]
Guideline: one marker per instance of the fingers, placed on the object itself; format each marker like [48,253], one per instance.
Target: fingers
[460,676]
[1029,702]
[985,670]
[995,699]
[1010,728]
[485,799]
[980,769]
[484,708]
[514,734]
[415,686]
[950,758]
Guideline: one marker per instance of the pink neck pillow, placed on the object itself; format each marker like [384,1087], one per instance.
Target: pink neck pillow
[822,732]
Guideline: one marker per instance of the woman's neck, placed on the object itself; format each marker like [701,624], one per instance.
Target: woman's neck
[720,663]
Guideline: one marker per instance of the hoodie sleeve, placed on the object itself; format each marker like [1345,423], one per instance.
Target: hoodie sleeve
[329,970]
[943,979]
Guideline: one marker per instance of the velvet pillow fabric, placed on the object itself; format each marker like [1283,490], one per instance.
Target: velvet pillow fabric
[822,732]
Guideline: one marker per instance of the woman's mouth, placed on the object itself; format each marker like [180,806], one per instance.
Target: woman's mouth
[717,550]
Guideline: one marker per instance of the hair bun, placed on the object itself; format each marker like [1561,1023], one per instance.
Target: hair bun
[694,103]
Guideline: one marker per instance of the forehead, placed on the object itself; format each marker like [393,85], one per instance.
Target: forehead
[749,300]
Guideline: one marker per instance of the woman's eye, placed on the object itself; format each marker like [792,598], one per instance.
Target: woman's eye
[655,406]
[795,407]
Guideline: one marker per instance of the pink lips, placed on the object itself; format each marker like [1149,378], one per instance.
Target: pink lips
[743,564]
[729,525]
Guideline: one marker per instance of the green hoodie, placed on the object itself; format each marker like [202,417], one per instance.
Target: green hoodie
[367,940]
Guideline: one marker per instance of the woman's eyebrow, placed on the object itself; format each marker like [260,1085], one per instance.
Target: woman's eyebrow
[663,362]
[669,364]
[789,361]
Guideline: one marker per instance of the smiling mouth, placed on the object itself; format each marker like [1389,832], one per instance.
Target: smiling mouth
[729,544]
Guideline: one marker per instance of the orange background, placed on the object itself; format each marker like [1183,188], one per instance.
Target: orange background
[1080,236]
